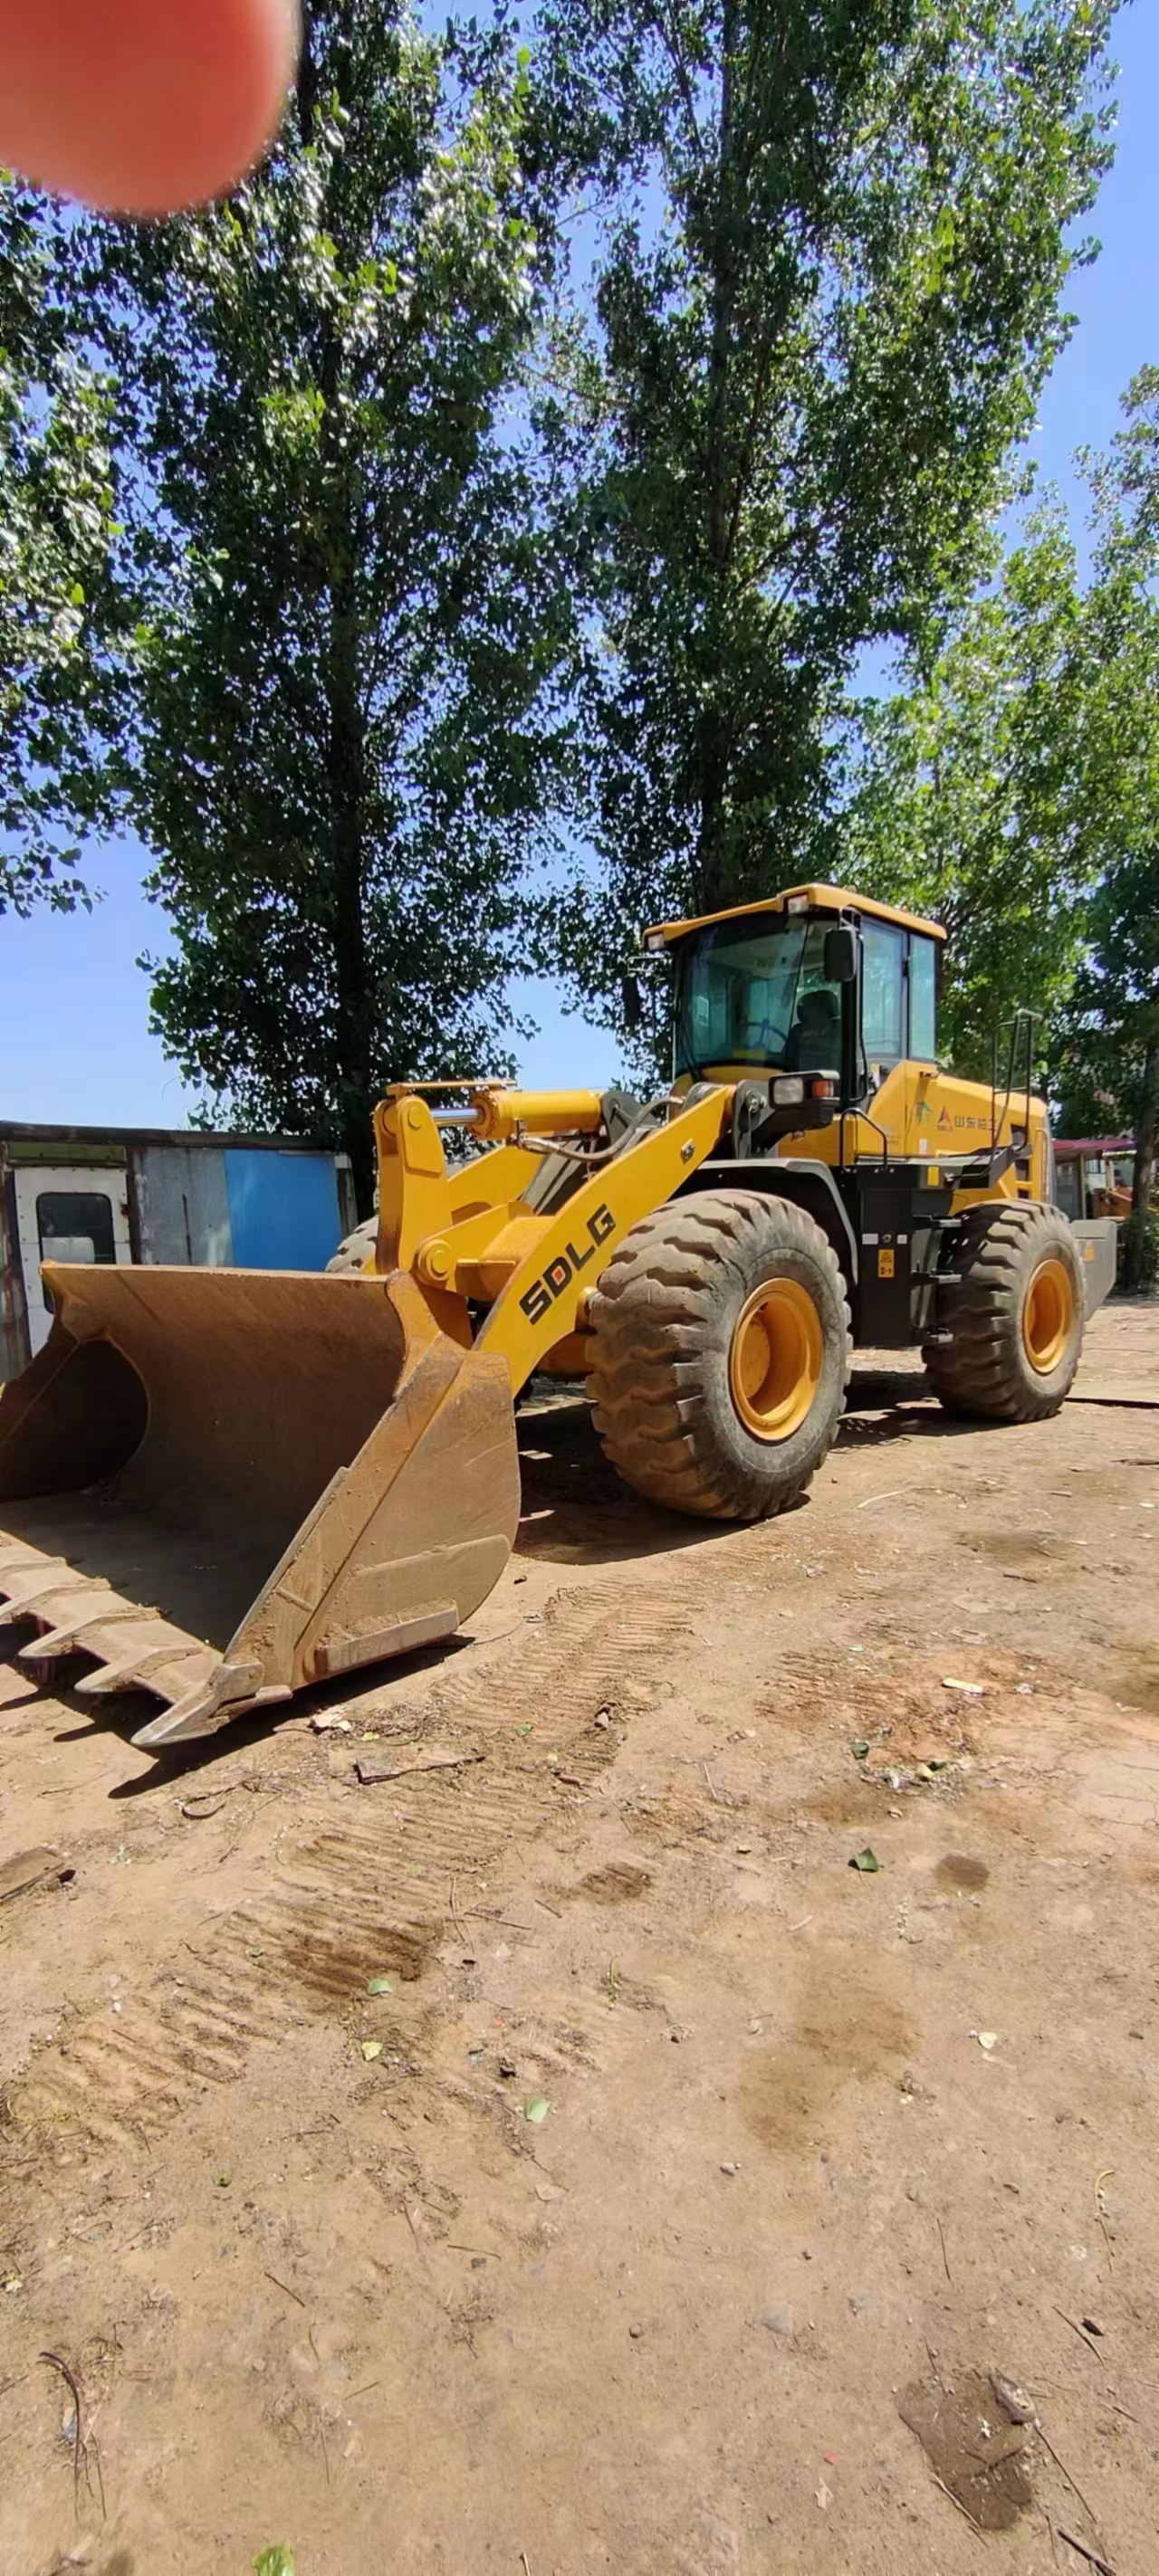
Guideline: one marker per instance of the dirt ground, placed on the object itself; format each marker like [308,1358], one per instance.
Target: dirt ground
[823,2147]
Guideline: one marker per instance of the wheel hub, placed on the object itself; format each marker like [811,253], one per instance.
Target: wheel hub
[775,1359]
[1048,1315]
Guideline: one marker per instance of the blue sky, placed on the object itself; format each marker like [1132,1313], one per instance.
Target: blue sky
[74,1006]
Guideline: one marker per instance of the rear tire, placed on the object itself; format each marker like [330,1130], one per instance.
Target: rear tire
[356,1251]
[1016,1314]
[720,1354]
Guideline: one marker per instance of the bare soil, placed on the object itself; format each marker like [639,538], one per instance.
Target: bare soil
[828,2154]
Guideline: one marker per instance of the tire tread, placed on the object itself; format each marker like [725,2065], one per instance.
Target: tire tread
[649,1350]
[980,1372]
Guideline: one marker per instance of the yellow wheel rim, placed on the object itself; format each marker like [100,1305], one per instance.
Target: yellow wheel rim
[774,1364]
[1048,1315]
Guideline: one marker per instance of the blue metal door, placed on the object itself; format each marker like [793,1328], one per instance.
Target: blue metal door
[283,1208]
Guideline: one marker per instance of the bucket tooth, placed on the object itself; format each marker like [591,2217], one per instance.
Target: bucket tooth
[18,1560]
[22,1591]
[69,1636]
[133,1672]
[209,1700]
[133,1646]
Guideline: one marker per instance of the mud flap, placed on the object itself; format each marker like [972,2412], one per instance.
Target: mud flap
[312,1446]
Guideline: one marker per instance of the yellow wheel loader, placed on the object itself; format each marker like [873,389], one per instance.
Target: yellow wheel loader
[226,1486]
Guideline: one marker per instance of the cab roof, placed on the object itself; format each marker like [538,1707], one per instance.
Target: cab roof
[818,898]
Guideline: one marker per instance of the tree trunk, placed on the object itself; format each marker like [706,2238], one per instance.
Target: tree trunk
[346,778]
[343,915]
[306,81]
[1136,1268]
[346,755]
[714,749]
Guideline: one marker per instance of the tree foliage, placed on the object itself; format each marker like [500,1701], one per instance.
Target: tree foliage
[967,795]
[1107,1043]
[1013,792]
[1107,1037]
[347,626]
[832,245]
[59,713]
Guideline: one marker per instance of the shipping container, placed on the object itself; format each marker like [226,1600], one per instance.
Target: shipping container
[146,1194]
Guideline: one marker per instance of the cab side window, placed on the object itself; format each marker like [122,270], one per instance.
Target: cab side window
[923,984]
[882,992]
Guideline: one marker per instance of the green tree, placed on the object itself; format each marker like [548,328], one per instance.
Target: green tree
[833,238]
[1107,1038]
[60,708]
[348,619]
[1013,792]
[968,797]
[1107,1045]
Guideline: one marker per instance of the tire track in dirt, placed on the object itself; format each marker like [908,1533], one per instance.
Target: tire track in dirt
[353,1900]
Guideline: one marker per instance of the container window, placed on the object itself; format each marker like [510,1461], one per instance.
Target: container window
[75,1225]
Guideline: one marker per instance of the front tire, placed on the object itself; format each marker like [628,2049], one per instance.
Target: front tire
[1014,1304]
[720,1354]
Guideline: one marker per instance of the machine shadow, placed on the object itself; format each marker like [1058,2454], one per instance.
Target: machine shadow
[121,1714]
[576,1512]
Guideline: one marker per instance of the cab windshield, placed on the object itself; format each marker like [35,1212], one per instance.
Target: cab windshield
[756,993]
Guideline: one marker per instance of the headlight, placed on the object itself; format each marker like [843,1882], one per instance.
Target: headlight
[788,1089]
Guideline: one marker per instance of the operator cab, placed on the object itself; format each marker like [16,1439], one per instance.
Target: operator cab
[814,983]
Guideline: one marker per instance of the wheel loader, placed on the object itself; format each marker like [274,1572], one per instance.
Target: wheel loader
[223,1487]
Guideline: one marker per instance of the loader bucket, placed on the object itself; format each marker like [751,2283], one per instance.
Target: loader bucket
[226,1485]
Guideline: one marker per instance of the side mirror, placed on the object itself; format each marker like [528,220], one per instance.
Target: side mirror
[633,1001]
[841,954]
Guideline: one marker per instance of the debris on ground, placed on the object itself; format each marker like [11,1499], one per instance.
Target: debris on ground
[919,1775]
[71,2426]
[1015,2402]
[201,1804]
[406,1759]
[866,1861]
[982,2463]
[36,1868]
[1102,2566]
